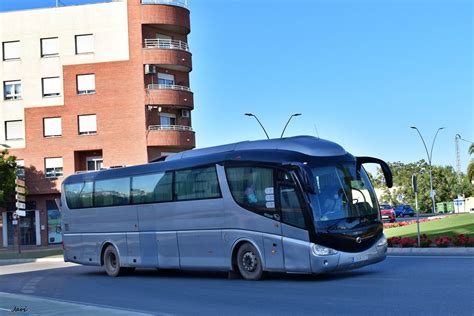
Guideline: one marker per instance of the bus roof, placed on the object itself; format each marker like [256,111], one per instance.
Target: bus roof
[299,145]
[307,145]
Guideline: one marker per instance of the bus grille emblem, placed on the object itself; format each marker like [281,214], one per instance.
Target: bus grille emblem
[358,240]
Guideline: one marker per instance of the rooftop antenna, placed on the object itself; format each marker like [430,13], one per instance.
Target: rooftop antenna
[316,130]
[250,114]
[288,122]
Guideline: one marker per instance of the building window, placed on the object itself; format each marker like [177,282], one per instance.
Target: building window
[20,168]
[49,47]
[14,130]
[87,124]
[53,167]
[94,163]
[51,86]
[86,84]
[167,119]
[11,50]
[165,79]
[52,127]
[84,44]
[12,90]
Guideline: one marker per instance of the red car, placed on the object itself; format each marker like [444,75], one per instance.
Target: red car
[388,214]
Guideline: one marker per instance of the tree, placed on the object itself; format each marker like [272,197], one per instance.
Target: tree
[445,183]
[470,167]
[7,177]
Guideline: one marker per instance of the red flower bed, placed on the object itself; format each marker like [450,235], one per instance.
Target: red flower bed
[441,241]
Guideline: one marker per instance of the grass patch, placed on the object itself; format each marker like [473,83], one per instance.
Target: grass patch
[451,226]
[47,253]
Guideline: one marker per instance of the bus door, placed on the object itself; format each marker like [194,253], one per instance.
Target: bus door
[295,237]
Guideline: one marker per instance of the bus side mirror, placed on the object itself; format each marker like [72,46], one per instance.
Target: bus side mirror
[387,173]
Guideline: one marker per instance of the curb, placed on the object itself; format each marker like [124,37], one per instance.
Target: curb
[462,252]
[13,261]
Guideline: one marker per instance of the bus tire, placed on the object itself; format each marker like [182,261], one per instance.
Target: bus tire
[112,261]
[249,262]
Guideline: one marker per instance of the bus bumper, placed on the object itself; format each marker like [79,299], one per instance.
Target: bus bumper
[346,260]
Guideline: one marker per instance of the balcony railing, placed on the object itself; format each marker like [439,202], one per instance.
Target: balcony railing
[168,87]
[179,3]
[166,44]
[170,128]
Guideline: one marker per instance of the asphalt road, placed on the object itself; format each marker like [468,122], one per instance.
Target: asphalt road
[397,286]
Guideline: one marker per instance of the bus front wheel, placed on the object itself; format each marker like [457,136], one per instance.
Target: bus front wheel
[112,261]
[249,262]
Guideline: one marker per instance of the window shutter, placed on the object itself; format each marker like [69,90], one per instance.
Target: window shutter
[84,44]
[87,123]
[52,126]
[49,46]
[51,86]
[53,163]
[11,50]
[14,130]
[86,82]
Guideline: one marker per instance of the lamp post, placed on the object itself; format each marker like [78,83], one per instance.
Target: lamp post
[250,114]
[430,156]
[288,122]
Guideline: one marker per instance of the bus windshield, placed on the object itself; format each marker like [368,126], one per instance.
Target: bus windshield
[342,192]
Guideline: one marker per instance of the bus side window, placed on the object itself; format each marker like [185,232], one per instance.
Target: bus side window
[79,195]
[112,192]
[196,184]
[156,187]
[252,188]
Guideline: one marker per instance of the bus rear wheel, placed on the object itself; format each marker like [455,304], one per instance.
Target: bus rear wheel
[249,262]
[112,261]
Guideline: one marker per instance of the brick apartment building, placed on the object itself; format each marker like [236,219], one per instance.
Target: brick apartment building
[88,87]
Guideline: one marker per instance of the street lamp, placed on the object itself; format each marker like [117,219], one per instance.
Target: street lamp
[430,156]
[288,122]
[250,114]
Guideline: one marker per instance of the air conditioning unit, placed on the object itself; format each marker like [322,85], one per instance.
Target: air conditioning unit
[150,69]
[185,113]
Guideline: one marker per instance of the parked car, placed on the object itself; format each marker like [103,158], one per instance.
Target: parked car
[388,214]
[404,210]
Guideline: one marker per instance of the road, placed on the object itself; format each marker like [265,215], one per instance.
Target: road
[397,286]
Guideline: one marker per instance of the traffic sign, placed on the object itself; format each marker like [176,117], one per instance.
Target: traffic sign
[21,213]
[20,205]
[20,182]
[20,190]
[20,198]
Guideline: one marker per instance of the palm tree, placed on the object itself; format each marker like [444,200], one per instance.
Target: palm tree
[470,168]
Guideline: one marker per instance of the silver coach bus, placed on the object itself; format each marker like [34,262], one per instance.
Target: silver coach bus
[295,205]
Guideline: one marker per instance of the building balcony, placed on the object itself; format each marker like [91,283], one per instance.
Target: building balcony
[171,15]
[172,59]
[176,136]
[166,44]
[173,95]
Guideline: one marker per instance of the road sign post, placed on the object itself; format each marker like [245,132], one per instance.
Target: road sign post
[20,204]
[415,189]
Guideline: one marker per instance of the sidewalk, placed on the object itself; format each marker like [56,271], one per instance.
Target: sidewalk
[452,251]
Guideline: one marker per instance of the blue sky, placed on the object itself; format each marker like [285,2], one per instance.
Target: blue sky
[360,72]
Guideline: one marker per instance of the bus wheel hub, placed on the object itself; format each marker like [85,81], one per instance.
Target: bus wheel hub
[249,261]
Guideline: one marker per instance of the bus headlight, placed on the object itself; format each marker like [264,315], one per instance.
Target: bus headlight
[319,250]
[382,242]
